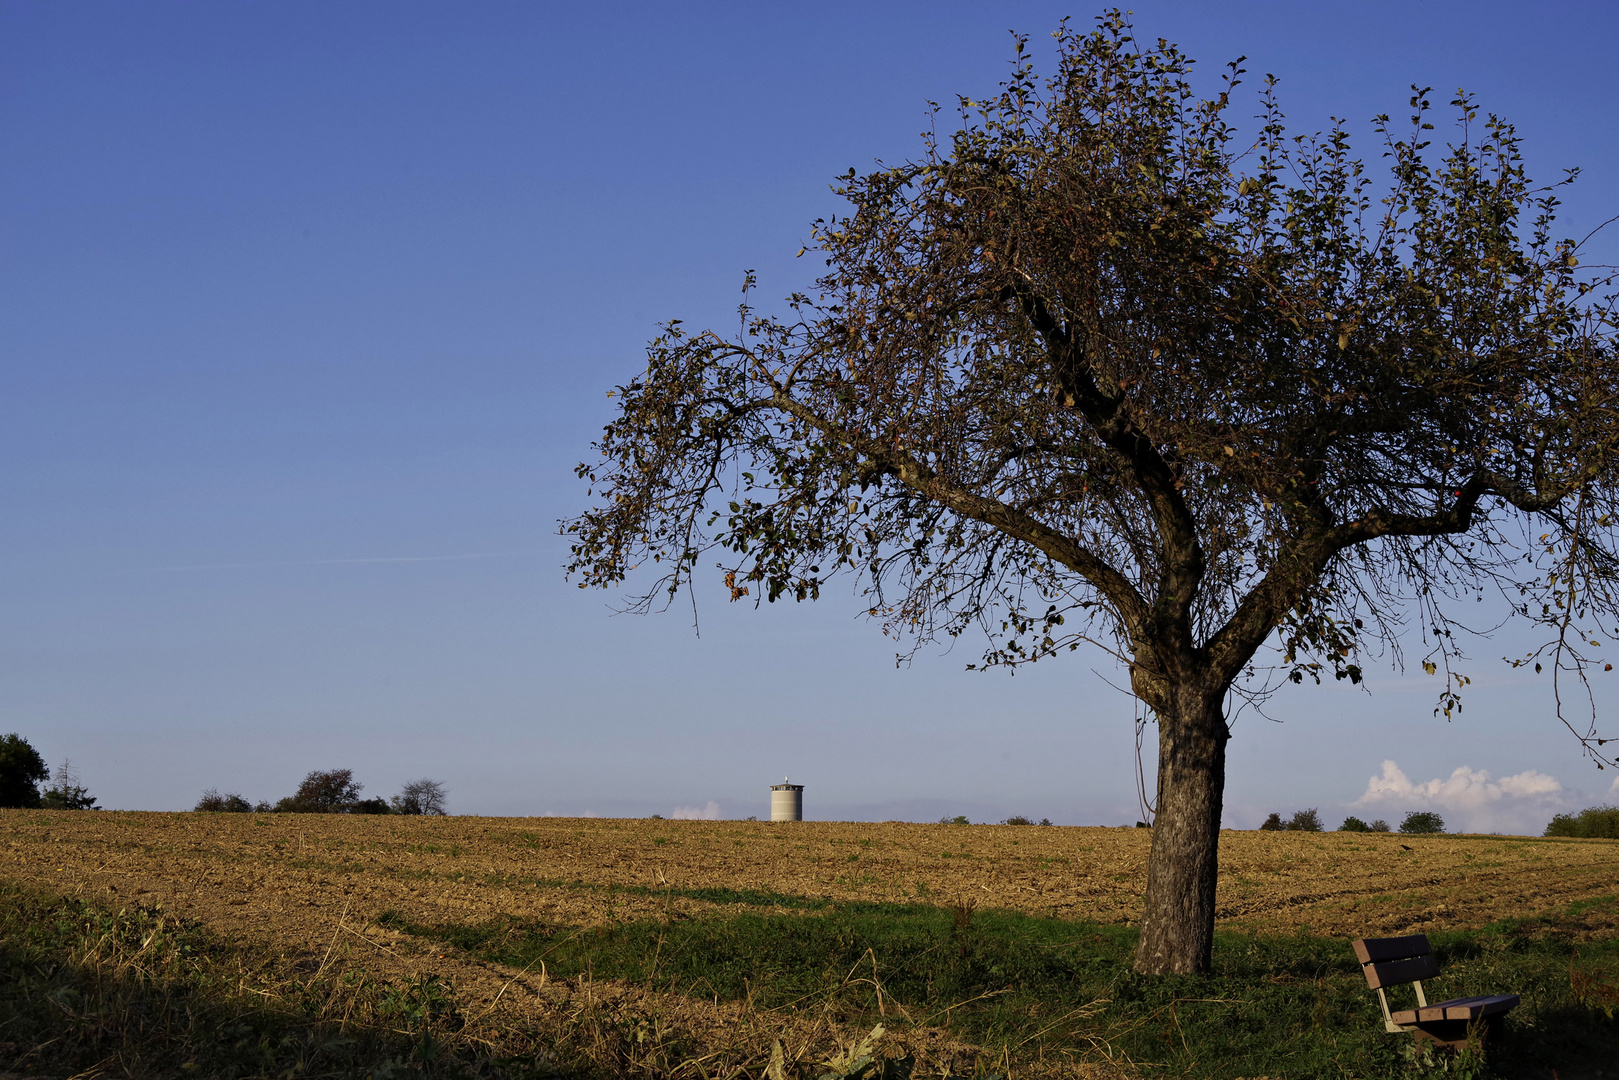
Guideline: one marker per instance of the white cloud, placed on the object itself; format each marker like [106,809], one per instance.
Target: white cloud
[1615,785]
[711,812]
[1470,800]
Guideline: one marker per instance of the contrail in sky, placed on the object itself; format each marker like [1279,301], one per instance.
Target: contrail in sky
[348,562]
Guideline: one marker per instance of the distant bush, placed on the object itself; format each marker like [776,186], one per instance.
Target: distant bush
[212,802]
[1422,821]
[1305,821]
[1354,824]
[422,796]
[1592,823]
[1017,819]
[1379,826]
[67,793]
[1301,821]
[959,819]
[334,791]
[21,771]
[370,806]
[1045,821]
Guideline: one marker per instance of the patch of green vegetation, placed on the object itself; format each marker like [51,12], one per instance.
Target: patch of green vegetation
[1593,905]
[719,895]
[1025,987]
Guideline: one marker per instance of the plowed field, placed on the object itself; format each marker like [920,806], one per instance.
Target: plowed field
[313,884]
[295,873]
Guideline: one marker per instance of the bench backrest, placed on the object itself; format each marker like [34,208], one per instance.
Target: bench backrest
[1394,961]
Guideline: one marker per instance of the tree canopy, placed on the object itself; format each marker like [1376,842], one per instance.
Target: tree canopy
[1098,368]
[1593,822]
[422,796]
[212,802]
[330,791]
[22,770]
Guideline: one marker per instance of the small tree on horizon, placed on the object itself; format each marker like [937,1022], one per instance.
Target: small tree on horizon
[1301,821]
[1097,370]
[1305,821]
[22,770]
[1354,824]
[333,791]
[422,796]
[214,803]
[67,793]
[1422,821]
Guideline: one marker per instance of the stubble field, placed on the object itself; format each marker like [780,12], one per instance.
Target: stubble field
[295,878]
[293,874]
[311,888]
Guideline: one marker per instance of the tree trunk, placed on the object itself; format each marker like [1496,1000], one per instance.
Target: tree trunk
[1177,923]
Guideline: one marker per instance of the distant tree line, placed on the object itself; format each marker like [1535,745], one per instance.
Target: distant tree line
[1417,821]
[334,791]
[1592,823]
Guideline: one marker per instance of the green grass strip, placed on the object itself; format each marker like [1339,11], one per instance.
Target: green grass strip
[1278,1006]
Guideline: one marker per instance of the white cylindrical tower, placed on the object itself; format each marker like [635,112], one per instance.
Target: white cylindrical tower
[786,801]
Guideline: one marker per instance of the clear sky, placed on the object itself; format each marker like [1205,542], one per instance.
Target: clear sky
[307,310]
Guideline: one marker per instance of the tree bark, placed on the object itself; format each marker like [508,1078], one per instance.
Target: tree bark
[1177,923]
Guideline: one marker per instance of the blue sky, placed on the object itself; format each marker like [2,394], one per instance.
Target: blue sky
[307,311]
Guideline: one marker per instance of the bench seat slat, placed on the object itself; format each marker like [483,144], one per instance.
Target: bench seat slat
[1398,972]
[1377,950]
[1440,1010]
[1470,1008]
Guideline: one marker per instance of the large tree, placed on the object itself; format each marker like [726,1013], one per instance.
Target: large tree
[1097,368]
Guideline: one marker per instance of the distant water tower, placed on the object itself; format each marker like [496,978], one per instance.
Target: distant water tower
[786,801]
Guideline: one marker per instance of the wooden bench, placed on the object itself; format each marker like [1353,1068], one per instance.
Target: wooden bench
[1396,961]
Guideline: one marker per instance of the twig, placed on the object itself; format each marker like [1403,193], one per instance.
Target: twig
[1097,1004]
[947,1009]
[540,960]
[368,941]
[333,942]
